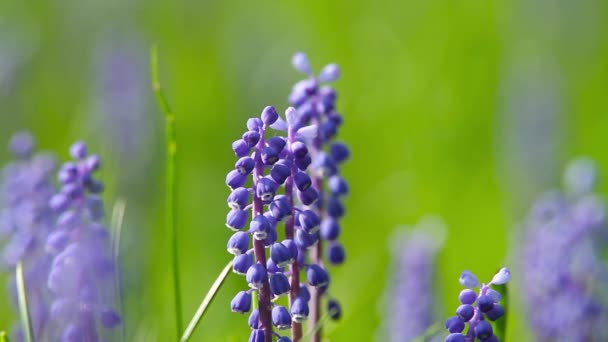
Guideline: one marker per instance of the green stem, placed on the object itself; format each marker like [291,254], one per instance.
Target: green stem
[26,319]
[171,143]
[206,302]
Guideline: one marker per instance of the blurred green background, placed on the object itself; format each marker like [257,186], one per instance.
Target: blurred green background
[465,109]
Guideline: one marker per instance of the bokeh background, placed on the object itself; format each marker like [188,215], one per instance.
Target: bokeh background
[464,109]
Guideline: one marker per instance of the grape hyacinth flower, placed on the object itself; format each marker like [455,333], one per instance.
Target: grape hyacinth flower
[275,180]
[409,298]
[477,308]
[565,233]
[81,277]
[26,221]
[316,107]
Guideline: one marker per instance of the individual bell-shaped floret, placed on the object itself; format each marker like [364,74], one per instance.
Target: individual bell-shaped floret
[280,208]
[257,335]
[467,296]
[283,339]
[292,247]
[495,313]
[328,130]
[238,199]
[238,243]
[304,240]
[269,155]
[335,253]
[242,263]
[281,317]
[454,324]
[335,208]
[485,303]
[299,310]
[240,148]
[276,142]
[309,196]
[279,284]
[241,303]
[256,276]
[260,227]
[254,319]
[502,277]
[339,152]
[280,171]
[302,181]
[254,124]
[299,149]
[468,279]
[281,255]
[334,309]
[317,276]
[265,189]
[272,267]
[244,165]
[269,115]
[495,295]
[309,221]
[271,237]
[300,63]
[483,330]
[109,318]
[330,229]
[324,166]
[329,73]
[235,179]
[236,219]
[304,162]
[251,138]
[304,293]
[337,185]
[465,312]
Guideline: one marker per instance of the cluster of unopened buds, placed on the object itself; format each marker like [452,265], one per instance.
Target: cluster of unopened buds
[477,308]
[297,166]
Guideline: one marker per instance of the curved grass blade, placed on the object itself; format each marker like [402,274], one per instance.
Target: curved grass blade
[200,312]
[170,184]
[320,324]
[118,213]
[26,320]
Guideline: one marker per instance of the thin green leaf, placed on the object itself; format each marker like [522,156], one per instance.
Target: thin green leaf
[170,184]
[118,213]
[200,312]
[500,326]
[320,324]
[26,320]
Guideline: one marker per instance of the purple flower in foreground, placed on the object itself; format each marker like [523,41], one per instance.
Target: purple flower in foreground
[26,221]
[477,308]
[409,298]
[562,257]
[81,276]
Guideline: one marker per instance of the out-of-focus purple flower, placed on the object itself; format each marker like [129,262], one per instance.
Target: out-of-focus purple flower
[81,278]
[563,274]
[26,222]
[410,303]
[477,308]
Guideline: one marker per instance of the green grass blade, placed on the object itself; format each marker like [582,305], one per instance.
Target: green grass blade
[118,214]
[500,326]
[200,312]
[320,325]
[3,336]
[26,320]
[170,185]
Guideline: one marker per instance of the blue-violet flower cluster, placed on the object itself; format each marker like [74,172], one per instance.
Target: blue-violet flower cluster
[81,276]
[563,274]
[278,178]
[477,308]
[25,223]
